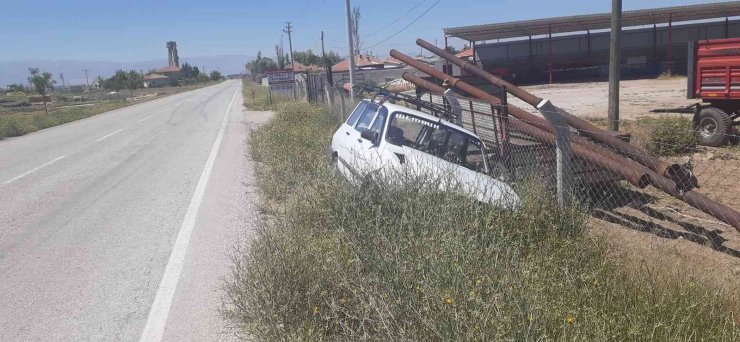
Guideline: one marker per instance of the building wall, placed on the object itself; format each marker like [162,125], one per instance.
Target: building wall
[644,51]
[374,76]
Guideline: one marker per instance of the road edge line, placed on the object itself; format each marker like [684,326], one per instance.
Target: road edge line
[158,313]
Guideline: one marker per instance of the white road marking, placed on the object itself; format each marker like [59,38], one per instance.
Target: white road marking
[160,309]
[144,119]
[32,171]
[109,135]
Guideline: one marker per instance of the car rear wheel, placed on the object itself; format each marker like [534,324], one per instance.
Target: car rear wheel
[714,126]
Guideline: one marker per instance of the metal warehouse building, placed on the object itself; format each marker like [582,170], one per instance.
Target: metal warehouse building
[654,41]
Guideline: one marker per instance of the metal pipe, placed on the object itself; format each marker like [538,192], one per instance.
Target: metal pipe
[633,172]
[673,171]
[608,161]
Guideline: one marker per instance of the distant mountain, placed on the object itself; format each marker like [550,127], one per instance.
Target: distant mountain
[17,71]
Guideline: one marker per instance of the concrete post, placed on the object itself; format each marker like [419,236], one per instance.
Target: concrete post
[562,147]
[613,123]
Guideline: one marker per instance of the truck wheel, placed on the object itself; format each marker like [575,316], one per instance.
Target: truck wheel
[714,126]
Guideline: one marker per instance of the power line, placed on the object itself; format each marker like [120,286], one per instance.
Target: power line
[395,21]
[405,27]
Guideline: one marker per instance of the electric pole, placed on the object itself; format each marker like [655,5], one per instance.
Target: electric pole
[289,30]
[614,58]
[351,53]
[61,76]
[326,63]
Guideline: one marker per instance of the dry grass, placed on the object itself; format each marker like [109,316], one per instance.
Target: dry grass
[336,262]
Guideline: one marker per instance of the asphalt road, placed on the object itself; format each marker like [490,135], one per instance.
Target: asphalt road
[119,226]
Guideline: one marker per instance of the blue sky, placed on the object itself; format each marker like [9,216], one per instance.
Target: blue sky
[138,30]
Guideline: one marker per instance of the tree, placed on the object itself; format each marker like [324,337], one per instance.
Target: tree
[355,20]
[134,80]
[281,61]
[17,88]
[42,83]
[261,65]
[452,50]
[215,75]
[122,79]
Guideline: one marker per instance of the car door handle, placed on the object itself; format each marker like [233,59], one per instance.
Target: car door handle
[359,140]
[347,133]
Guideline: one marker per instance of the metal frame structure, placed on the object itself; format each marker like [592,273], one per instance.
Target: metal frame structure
[580,23]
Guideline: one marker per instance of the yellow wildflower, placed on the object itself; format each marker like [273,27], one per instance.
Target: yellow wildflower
[449,300]
[478,281]
[316,310]
[570,319]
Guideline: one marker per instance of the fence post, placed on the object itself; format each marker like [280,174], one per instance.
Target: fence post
[254,101]
[562,146]
[341,107]
[269,92]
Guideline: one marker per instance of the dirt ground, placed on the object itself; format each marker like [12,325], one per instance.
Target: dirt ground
[637,97]
[648,229]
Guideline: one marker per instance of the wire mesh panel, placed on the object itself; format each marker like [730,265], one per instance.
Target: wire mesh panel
[615,188]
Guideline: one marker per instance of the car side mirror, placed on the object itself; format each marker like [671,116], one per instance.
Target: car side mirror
[368,134]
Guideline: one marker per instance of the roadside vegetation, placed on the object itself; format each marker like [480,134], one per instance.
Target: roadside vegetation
[333,262]
[19,116]
[257,97]
[666,135]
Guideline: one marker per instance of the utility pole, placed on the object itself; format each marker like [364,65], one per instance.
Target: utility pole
[614,46]
[351,53]
[87,80]
[289,30]
[61,75]
[326,63]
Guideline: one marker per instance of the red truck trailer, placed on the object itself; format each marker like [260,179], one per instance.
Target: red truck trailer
[714,78]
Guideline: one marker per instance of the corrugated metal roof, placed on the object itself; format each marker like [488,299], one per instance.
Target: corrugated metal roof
[594,21]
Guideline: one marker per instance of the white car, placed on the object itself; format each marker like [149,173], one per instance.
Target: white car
[388,141]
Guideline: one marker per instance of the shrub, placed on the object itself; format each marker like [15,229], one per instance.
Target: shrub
[670,135]
[335,262]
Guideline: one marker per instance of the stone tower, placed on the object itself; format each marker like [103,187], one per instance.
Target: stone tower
[174,60]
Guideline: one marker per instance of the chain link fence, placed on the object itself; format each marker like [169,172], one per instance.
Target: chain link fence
[613,188]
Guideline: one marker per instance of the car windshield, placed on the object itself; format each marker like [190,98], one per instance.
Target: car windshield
[438,140]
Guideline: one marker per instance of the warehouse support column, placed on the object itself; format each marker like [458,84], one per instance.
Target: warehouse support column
[549,52]
[614,47]
[670,44]
[727,27]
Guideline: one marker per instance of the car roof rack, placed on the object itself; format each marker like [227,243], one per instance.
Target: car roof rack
[436,109]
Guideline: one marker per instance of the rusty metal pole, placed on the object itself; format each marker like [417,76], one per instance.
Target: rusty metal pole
[636,174]
[613,121]
[673,171]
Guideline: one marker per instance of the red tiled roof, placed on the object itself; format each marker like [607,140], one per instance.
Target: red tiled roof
[299,67]
[154,77]
[360,61]
[169,69]
[467,53]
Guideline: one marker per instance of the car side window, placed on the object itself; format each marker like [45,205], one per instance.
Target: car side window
[379,122]
[366,118]
[356,114]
